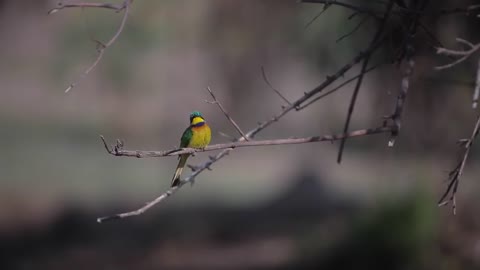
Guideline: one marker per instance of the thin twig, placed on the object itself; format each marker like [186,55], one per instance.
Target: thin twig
[353,100]
[61,6]
[215,100]
[125,7]
[264,75]
[364,19]
[172,190]
[456,173]
[462,54]
[325,7]
[340,86]
[358,9]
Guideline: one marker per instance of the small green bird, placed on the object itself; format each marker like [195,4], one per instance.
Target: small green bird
[197,135]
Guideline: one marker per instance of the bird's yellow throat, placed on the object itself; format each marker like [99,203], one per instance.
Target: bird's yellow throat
[197,120]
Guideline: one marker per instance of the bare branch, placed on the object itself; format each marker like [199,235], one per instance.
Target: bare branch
[118,150]
[358,9]
[353,100]
[467,10]
[456,173]
[325,7]
[226,114]
[197,170]
[353,30]
[340,86]
[402,96]
[264,75]
[125,7]
[61,6]
[462,54]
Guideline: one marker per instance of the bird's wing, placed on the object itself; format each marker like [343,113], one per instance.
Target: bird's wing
[186,137]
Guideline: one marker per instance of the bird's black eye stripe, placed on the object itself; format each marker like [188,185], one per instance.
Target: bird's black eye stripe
[199,124]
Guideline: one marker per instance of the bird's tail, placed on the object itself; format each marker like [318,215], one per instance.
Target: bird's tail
[178,171]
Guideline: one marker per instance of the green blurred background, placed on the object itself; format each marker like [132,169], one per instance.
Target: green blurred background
[280,207]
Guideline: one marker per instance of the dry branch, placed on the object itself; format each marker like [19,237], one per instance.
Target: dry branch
[396,117]
[118,150]
[264,75]
[101,47]
[462,54]
[456,173]
[353,99]
[163,196]
[340,86]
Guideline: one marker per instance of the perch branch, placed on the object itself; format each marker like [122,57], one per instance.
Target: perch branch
[172,190]
[118,150]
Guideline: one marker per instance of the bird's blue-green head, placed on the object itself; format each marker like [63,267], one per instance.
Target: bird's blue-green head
[196,117]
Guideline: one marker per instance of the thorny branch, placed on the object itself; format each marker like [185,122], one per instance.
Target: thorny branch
[101,47]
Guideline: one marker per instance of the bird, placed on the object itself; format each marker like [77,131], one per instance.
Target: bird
[196,135]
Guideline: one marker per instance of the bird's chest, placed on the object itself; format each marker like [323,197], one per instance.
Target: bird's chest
[200,137]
